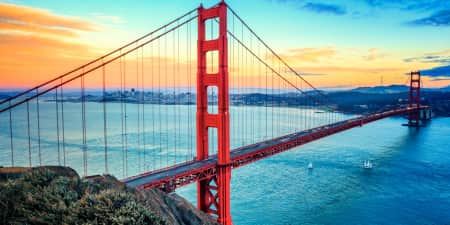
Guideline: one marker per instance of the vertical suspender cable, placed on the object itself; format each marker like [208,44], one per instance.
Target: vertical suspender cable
[245,79]
[295,107]
[159,104]
[279,101]
[152,102]
[241,93]
[232,80]
[11,135]
[174,102]
[57,126]
[305,108]
[122,92]
[62,125]
[178,73]
[105,129]
[143,108]
[125,111]
[38,128]
[83,118]
[273,103]
[166,82]
[138,112]
[232,60]
[239,83]
[188,73]
[251,109]
[265,101]
[28,132]
[259,84]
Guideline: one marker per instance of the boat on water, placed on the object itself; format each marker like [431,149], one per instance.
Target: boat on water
[310,165]
[367,164]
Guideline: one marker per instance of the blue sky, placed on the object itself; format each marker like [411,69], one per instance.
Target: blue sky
[363,39]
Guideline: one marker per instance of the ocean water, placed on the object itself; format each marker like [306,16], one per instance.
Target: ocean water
[169,136]
[409,182]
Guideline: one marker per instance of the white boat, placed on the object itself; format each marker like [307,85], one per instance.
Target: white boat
[310,165]
[367,164]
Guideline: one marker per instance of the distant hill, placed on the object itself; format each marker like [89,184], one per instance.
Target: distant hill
[4,96]
[392,89]
[382,89]
[447,89]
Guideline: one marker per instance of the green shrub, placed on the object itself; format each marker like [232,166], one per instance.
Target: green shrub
[43,197]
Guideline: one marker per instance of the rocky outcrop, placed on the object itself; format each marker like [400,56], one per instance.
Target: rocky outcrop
[175,209]
[57,195]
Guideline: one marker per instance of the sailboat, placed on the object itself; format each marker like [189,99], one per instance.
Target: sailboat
[310,165]
[367,164]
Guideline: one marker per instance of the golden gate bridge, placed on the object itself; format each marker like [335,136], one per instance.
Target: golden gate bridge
[142,128]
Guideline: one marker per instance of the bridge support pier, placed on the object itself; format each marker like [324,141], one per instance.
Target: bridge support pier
[213,194]
[416,118]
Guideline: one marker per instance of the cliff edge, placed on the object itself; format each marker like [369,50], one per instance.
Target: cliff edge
[57,195]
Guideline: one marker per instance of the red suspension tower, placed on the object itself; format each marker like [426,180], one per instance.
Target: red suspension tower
[213,195]
[414,99]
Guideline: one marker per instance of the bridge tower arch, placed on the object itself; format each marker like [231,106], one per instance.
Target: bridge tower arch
[414,118]
[213,194]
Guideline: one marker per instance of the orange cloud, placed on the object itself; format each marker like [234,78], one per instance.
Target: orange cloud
[351,70]
[27,16]
[373,54]
[27,28]
[28,60]
[13,45]
[37,45]
[308,54]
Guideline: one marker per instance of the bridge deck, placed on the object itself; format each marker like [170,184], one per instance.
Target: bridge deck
[170,178]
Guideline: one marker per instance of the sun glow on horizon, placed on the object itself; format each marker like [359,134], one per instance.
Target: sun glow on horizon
[38,44]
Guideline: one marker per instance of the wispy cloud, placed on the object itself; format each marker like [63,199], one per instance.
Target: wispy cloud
[409,5]
[108,18]
[325,8]
[308,54]
[441,79]
[353,70]
[442,57]
[440,18]
[373,54]
[441,71]
[32,18]
[19,27]
[440,9]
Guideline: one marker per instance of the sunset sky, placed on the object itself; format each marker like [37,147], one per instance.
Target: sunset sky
[336,44]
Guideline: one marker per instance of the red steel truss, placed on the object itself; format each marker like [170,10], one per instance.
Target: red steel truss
[214,191]
[169,179]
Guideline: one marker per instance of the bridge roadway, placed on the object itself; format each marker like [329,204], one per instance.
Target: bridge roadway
[182,174]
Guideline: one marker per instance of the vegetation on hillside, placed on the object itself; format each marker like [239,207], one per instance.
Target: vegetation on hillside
[46,197]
